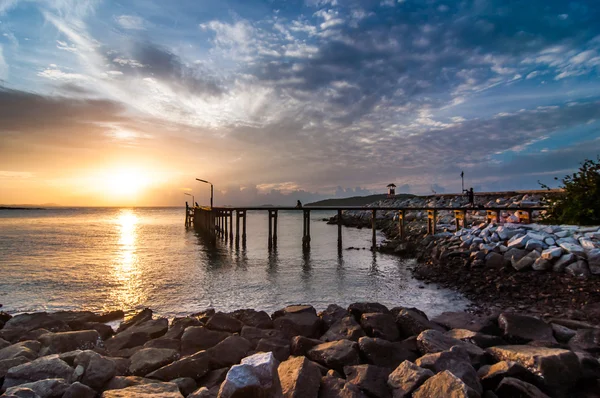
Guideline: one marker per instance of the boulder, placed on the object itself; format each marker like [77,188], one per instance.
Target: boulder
[370,379]
[510,387]
[229,351]
[357,309]
[534,244]
[520,329]
[491,376]
[161,342]
[49,367]
[297,321]
[224,323]
[154,390]
[21,392]
[445,384]
[562,333]
[40,320]
[406,378]
[380,325]
[194,366]
[411,323]
[299,377]
[518,241]
[335,354]
[559,369]
[254,335]
[6,364]
[198,338]
[479,339]
[513,255]
[336,387]
[49,388]
[256,376]
[250,317]
[345,328]
[541,264]
[93,370]
[137,334]
[279,347]
[202,392]
[495,260]
[465,320]
[79,390]
[26,349]
[384,353]
[563,262]
[179,325]
[105,331]
[300,345]
[186,385]
[56,343]
[526,262]
[150,359]
[4,343]
[108,316]
[573,248]
[119,382]
[432,341]
[586,340]
[552,253]
[213,378]
[142,316]
[332,314]
[455,360]
[578,269]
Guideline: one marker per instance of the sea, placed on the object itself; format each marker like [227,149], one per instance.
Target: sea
[102,259]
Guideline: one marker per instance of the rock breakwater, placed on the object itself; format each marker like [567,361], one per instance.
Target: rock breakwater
[365,350]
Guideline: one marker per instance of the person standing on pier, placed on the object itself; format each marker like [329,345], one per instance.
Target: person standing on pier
[470,196]
[298,205]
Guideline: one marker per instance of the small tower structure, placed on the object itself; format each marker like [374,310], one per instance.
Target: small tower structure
[391,190]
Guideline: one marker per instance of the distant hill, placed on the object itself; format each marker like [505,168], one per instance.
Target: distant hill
[356,200]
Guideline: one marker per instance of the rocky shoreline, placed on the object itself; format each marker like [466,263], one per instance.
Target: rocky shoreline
[365,350]
[534,268]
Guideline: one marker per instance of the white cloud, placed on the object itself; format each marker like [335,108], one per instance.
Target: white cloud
[57,74]
[3,66]
[131,22]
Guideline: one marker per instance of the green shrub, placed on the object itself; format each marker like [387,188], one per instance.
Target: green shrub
[580,203]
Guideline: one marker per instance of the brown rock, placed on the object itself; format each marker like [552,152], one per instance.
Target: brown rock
[510,387]
[194,366]
[229,351]
[6,364]
[26,349]
[48,388]
[455,360]
[335,354]
[491,376]
[332,314]
[299,377]
[150,359]
[202,392]
[178,326]
[297,321]
[520,329]
[56,343]
[384,353]
[432,341]
[40,320]
[279,347]
[479,339]
[406,378]
[380,325]
[50,367]
[142,316]
[300,345]
[213,378]
[369,378]
[586,340]
[186,385]
[198,338]
[562,333]
[257,319]
[162,342]
[137,334]
[224,323]
[357,309]
[411,323]
[465,320]
[119,382]
[108,316]
[445,384]
[154,390]
[254,335]
[93,370]
[79,390]
[345,328]
[335,387]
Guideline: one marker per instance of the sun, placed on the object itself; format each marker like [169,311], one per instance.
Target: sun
[126,183]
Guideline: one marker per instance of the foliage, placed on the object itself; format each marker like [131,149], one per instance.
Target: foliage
[580,203]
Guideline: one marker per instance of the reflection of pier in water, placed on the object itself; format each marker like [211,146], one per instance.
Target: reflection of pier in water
[217,222]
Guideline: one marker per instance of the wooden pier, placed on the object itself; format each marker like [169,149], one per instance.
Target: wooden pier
[217,222]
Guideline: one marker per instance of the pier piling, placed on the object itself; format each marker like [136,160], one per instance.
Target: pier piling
[306,229]
[339,228]
[374,228]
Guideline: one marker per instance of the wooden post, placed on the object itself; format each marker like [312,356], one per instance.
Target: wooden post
[225,217]
[306,229]
[401,223]
[237,227]
[244,228]
[270,229]
[459,218]
[275,228]
[431,221]
[374,227]
[339,223]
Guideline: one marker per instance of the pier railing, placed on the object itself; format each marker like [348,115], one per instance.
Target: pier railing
[217,222]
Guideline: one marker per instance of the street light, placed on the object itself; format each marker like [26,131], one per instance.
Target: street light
[193,201]
[211,190]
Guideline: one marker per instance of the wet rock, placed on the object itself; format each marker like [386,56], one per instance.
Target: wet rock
[384,353]
[510,387]
[479,339]
[49,388]
[254,334]
[465,320]
[299,377]
[411,322]
[150,359]
[559,369]
[578,269]
[224,323]
[455,360]
[179,325]
[445,384]
[229,351]
[26,349]
[279,347]
[194,366]
[357,309]
[141,317]
[79,390]
[186,385]
[300,345]
[491,376]
[562,333]
[6,364]
[380,325]
[50,367]
[586,340]
[93,370]
[105,331]
[369,378]
[345,328]
[154,390]
[137,334]
[332,314]
[406,378]
[257,319]
[297,321]
[432,341]
[56,343]
[171,344]
[256,376]
[521,329]
[198,338]
[335,387]
[335,354]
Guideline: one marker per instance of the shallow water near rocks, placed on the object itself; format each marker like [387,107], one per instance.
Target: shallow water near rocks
[101,259]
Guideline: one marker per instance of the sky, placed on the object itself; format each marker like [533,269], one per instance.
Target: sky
[107,102]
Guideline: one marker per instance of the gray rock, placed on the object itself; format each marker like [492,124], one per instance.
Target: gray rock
[49,367]
[563,262]
[178,326]
[297,321]
[357,309]
[411,322]
[578,269]
[93,370]
[384,353]
[186,385]
[491,376]
[455,360]
[513,255]
[445,384]
[161,342]
[48,388]
[6,364]
[550,241]
[224,323]
[40,320]
[150,359]
[251,317]
[541,264]
[369,378]
[573,248]
[521,329]
[157,390]
[380,325]
[587,340]
[332,314]
[229,351]
[345,328]
[465,320]
[299,378]
[279,347]
[562,333]
[79,390]
[21,392]
[495,260]
[335,354]
[336,387]
[25,349]
[552,253]
[198,338]
[137,334]
[194,366]
[479,339]
[140,317]
[526,262]
[432,341]
[593,258]
[257,374]
[510,387]
[518,241]
[406,378]
[56,343]
[534,244]
[254,335]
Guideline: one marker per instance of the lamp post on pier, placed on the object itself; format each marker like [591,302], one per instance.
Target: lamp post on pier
[211,190]
[193,201]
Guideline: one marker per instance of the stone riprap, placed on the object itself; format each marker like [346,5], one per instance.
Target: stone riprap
[399,352]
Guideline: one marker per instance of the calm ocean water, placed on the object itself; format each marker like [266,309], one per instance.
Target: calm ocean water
[109,258]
